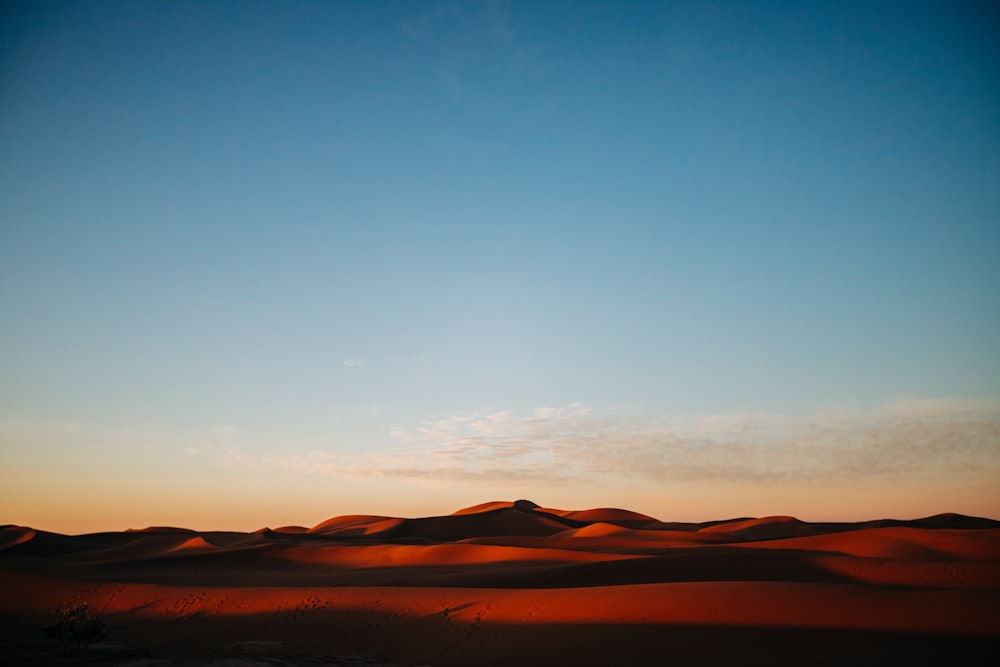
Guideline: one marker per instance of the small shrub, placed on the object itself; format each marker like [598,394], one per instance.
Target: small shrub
[75,626]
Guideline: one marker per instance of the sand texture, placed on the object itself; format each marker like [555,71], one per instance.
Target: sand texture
[509,584]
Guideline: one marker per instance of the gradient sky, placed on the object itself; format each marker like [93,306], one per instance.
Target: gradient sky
[266,263]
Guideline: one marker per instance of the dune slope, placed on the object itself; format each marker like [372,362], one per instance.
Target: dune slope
[511,583]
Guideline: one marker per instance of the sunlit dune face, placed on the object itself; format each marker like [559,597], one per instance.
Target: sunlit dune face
[609,515]
[14,535]
[355,525]
[382,556]
[194,544]
[717,603]
[490,576]
[898,543]
[971,575]
[339,523]
[484,507]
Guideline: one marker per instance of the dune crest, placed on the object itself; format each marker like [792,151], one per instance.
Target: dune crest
[194,544]
[596,529]
[14,535]
[522,505]
[612,515]
[159,529]
[511,582]
[350,524]
[291,530]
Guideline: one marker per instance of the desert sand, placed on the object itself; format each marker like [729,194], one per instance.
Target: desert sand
[510,583]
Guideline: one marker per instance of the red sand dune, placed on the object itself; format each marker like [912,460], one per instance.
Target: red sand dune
[610,515]
[354,525]
[513,583]
[295,530]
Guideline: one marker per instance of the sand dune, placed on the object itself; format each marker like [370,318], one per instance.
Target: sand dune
[14,535]
[293,530]
[764,528]
[484,507]
[513,583]
[614,516]
[354,525]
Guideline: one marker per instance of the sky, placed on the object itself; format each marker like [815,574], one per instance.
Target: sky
[264,263]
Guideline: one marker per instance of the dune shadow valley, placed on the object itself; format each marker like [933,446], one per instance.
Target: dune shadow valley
[508,583]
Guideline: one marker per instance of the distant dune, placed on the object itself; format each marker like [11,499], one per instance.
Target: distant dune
[511,583]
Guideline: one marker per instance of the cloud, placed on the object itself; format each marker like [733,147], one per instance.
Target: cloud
[575,444]
[426,465]
[353,363]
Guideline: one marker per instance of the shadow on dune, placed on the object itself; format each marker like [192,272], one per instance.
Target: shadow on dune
[514,584]
[519,545]
[309,637]
[255,567]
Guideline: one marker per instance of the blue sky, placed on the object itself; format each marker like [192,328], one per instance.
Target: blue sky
[273,246]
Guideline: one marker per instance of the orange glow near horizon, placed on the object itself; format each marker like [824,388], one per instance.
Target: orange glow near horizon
[73,508]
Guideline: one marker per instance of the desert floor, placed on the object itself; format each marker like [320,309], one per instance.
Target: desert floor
[508,584]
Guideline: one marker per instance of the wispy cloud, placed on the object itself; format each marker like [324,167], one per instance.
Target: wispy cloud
[574,443]
[353,363]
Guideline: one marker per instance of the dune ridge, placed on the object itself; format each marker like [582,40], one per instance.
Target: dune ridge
[516,583]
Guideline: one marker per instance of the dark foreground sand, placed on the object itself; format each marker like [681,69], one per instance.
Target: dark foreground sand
[512,584]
